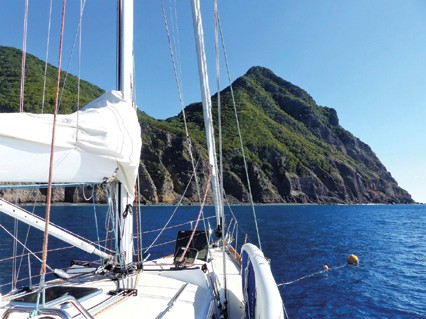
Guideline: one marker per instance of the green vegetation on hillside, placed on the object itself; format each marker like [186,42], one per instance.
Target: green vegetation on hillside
[296,150]
[287,134]
[10,79]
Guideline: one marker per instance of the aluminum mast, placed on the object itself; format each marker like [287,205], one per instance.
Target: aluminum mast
[207,110]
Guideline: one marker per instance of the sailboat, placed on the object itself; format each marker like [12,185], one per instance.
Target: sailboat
[205,277]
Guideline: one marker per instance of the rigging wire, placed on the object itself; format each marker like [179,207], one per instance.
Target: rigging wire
[219,108]
[181,100]
[7,259]
[138,220]
[198,219]
[177,71]
[171,217]
[65,230]
[239,134]
[23,245]
[40,186]
[118,227]
[15,251]
[219,116]
[175,32]
[76,37]
[52,148]
[80,27]
[47,57]
[24,58]
[23,254]
[96,218]
[236,220]
[109,219]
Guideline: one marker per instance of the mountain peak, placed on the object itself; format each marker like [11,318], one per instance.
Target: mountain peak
[296,150]
[273,83]
[259,70]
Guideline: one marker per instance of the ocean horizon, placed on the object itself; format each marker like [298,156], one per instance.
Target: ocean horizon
[390,241]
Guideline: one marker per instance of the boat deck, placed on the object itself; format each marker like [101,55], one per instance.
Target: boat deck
[233,282]
[161,292]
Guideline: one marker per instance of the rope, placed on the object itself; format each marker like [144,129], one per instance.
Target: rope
[198,219]
[24,59]
[163,243]
[37,252]
[87,198]
[311,275]
[219,108]
[109,220]
[219,116]
[175,31]
[25,279]
[236,220]
[239,135]
[26,186]
[96,219]
[80,27]
[52,148]
[138,221]
[15,252]
[171,217]
[177,71]
[171,227]
[22,254]
[50,250]
[70,58]
[23,245]
[47,57]
[65,230]
[181,100]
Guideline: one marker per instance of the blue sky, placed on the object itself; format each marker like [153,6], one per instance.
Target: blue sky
[365,58]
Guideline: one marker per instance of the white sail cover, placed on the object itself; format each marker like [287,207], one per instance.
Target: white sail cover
[89,145]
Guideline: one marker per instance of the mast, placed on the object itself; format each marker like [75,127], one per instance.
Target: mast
[123,200]
[207,110]
[125,49]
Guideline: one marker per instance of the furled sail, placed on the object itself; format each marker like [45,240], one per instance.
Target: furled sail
[90,145]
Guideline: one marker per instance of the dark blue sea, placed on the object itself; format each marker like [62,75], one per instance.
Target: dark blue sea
[390,241]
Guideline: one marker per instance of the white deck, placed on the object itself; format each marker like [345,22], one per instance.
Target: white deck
[163,293]
[233,283]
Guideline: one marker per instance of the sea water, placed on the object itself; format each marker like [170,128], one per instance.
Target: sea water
[390,241]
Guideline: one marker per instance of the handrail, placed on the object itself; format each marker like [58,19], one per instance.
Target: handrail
[43,311]
[48,310]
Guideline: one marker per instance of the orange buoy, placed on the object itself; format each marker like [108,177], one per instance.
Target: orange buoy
[353,260]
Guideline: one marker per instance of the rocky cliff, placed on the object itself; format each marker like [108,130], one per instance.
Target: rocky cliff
[296,151]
